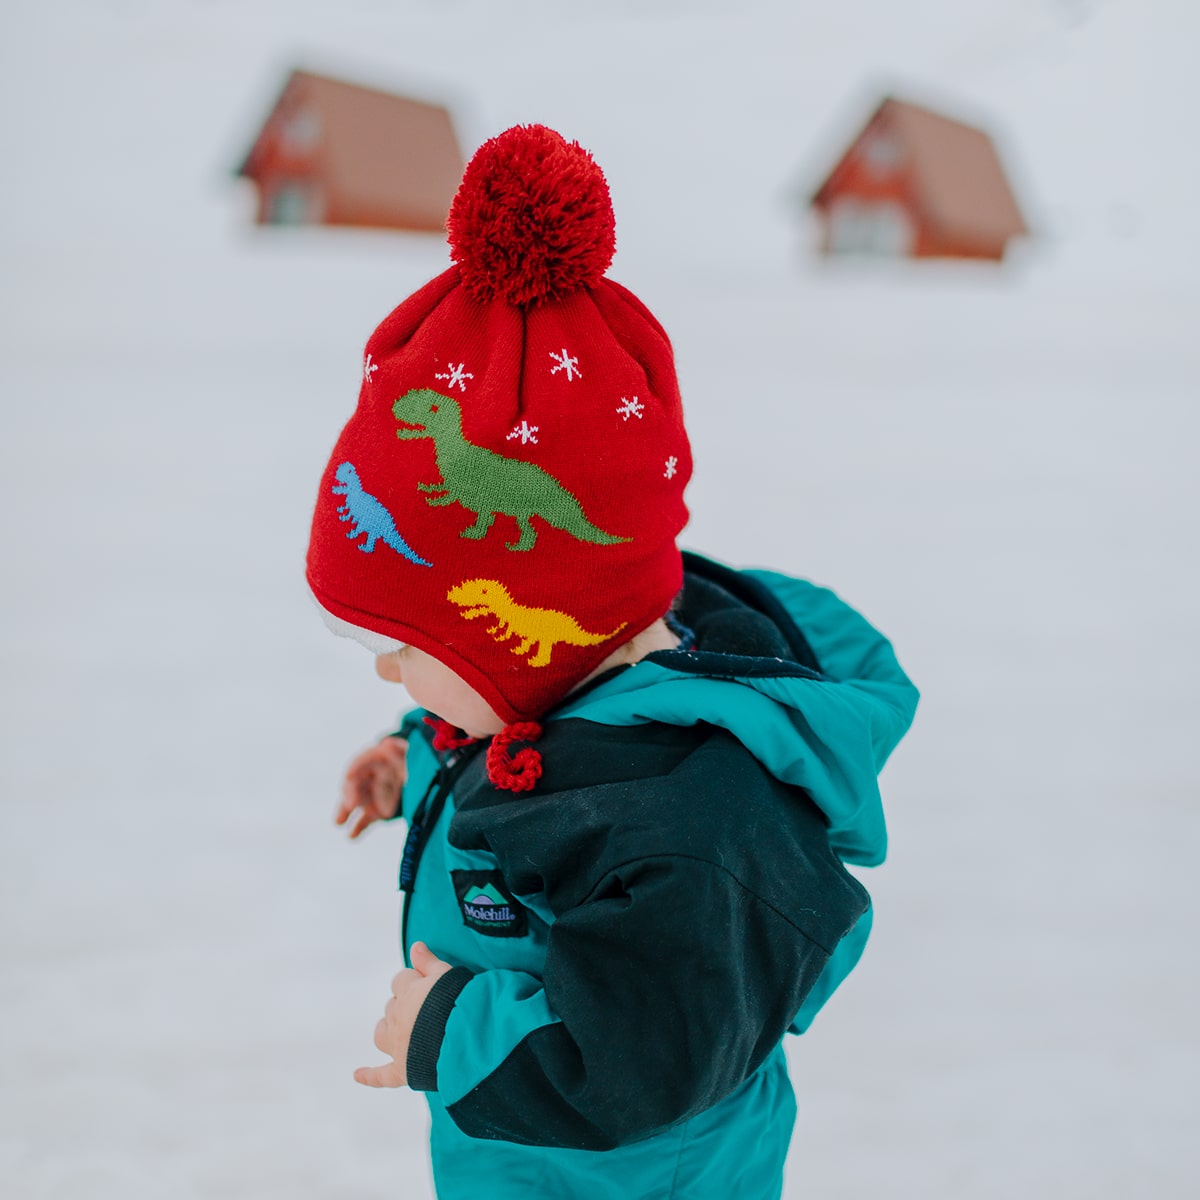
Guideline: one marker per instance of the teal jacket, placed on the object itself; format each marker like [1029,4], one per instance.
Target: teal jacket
[632,938]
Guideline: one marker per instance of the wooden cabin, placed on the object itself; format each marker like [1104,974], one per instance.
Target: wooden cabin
[918,184]
[335,153]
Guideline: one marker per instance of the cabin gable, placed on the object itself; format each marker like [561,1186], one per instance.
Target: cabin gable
[868,198]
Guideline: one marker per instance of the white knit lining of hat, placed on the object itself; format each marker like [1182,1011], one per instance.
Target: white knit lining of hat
[377,643]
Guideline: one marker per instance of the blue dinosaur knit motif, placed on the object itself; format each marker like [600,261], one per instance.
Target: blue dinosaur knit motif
[369,516]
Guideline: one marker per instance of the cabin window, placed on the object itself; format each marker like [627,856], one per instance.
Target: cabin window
[301,131]
[294,203]
[869,227]
[882,154]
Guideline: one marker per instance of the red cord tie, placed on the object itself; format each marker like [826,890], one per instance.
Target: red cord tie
[521,771]
[447,736]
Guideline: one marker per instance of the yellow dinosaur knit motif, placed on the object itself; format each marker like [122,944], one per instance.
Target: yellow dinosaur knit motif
[539,629]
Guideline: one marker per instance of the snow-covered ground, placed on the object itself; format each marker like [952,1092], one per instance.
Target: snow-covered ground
[999,467]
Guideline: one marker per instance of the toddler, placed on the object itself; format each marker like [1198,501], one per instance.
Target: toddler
[635,775]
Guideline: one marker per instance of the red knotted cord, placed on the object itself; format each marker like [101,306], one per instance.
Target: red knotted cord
[520,771]
[447,736]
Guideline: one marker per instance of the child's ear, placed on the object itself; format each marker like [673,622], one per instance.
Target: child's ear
[387,666]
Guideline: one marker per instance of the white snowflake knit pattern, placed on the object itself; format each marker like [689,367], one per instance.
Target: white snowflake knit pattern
[455,376]
[565,363]
[526,432]
[631,408]
[368,368]
[672,463]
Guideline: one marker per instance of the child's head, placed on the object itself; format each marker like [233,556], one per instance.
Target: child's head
[506,497]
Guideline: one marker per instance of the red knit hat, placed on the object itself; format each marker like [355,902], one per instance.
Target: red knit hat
[508,492]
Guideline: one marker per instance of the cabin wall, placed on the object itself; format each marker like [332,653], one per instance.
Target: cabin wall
[933,244]
[291,192]
[344,211]
[291,200]
[861,190]
[287,164]
[299,188]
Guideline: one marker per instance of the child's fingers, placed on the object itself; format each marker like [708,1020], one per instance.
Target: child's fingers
[383,793]
[346,805]
[342,813]
[396,748]
[361,822]
[389,1075]
[423,959]
[356,790]
[372,785]
[366,812]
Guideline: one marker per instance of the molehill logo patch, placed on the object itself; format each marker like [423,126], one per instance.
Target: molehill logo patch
[487,906]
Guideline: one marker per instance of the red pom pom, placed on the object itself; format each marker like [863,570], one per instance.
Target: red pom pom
[532,219]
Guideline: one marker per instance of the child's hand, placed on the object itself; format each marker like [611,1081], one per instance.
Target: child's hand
[372,785]
[394,1032]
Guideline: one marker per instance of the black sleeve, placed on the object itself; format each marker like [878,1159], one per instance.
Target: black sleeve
[672,983]
[425,1042]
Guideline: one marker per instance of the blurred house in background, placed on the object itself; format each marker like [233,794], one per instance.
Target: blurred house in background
[335,153]
[916,183]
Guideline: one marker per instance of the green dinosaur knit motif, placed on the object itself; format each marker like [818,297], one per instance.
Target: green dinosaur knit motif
[486,483]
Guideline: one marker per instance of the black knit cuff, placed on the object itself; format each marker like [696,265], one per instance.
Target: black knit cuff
[426,1042]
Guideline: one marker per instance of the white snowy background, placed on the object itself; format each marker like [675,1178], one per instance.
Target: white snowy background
[998,466]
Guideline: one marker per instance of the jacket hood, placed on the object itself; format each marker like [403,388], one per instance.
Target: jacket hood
[807,685]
